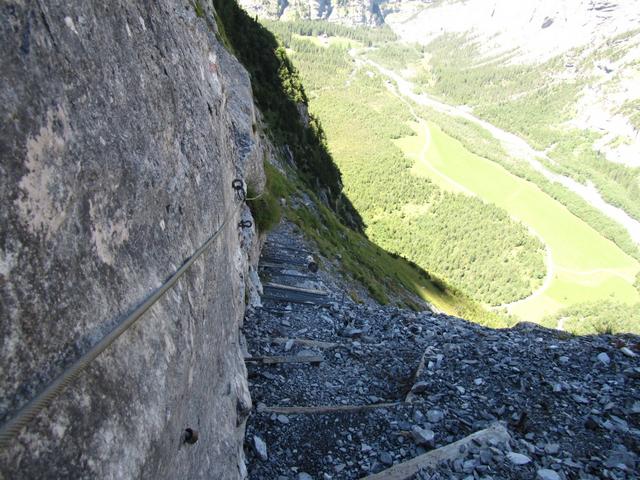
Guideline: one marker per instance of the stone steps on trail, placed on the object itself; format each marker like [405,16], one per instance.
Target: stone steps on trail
[355,374]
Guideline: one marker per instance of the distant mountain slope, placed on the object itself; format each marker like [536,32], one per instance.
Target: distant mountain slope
[536,30]
[594,45]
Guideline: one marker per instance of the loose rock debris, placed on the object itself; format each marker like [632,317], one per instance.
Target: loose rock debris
[403,384]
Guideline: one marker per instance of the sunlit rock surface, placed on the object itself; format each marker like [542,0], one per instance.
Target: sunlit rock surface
[122,126]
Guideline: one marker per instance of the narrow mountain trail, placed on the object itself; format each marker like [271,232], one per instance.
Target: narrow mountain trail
[346,390]
[514,145]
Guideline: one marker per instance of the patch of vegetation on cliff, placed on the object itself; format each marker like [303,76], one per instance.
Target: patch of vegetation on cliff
[283,102]
[264,206]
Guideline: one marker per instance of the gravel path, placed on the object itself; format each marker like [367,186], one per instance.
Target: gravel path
[571,404]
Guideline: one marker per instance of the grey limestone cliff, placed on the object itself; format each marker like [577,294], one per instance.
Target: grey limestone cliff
[349,12]
[122,126]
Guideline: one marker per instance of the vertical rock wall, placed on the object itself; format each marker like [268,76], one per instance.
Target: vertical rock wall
[122,126]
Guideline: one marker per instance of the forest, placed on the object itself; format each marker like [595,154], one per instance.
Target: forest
[469,243]
[490,88]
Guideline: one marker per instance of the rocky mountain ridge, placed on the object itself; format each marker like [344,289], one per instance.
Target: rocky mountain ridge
[351,12]
[532,32]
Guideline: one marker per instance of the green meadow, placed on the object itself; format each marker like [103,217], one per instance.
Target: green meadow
[586,266]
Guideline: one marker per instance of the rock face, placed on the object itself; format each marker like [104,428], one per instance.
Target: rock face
[350,12]
[122,126]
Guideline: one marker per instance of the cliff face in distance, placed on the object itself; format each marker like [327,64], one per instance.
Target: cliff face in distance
[122,126]
[350,12]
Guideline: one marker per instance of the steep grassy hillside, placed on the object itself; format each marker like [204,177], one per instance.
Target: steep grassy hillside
[387,277]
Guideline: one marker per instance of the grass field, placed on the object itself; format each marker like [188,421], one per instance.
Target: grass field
[587,267]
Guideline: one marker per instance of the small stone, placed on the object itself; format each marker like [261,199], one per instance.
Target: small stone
[386,458]
[628,352]
[423,436]
[591,424]
[304,476]
[552,448]
[283,419]
[469,466]
[546,474]
[260,448]
[604,358]
[420,387]
[289,345]
[563,359]
[435,416]
[621,458]
[518,458]
[486,456]
[478,381]
[306,353]
[351,332]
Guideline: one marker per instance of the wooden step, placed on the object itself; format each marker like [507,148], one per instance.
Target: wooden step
[408,469]
[326,408]
[285,359]
[290,288]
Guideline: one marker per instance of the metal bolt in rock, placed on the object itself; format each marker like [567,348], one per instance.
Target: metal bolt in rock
[190,436]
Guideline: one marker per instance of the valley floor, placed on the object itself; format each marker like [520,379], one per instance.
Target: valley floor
[581,264]
[590,268]
[345,390]
[516,147]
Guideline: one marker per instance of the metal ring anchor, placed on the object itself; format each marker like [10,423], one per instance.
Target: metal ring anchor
[238,186]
